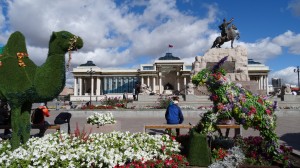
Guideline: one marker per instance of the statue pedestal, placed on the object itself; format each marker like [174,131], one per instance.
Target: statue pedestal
[289,97]
[167,92]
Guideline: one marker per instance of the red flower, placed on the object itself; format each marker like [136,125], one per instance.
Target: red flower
[268,111]
[220,106]
[252,110]
[260,101]
[163,148]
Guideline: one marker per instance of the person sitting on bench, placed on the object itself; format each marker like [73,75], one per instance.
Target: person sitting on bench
[5,116]
[173,114]
[38,118]
[63,118]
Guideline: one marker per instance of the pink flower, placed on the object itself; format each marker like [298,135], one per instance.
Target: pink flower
[268,111]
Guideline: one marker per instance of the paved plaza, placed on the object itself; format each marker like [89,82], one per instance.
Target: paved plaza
[288,123]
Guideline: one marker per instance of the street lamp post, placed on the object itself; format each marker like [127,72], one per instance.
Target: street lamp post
[91,72]
[297,70]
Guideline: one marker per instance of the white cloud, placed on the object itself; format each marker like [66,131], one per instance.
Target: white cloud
[116,36]
[111,33]
[289,39]
[262,50]
[295,7]
[287,75]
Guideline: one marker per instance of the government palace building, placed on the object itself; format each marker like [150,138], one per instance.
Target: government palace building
[167,75]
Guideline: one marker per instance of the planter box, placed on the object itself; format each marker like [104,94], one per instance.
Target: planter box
[103,129]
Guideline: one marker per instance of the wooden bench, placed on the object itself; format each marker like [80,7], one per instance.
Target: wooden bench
[168,126]
[34,126]
[237,129]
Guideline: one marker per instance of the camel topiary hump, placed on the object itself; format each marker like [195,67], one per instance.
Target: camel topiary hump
[16,69]
[16,43]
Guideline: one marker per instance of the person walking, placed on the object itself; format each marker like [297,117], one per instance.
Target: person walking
[174,114]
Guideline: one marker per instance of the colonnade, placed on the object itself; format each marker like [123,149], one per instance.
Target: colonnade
[99,85]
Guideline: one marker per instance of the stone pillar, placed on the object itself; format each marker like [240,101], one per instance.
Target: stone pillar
[142,80]
[261,82]
[116,80]
[75,87]
[110,81]
[85,85]
[267,84]
[160,82]
[105,84]
[80,86]
[153,87]
[184,81]
[98,91]
[178,82]
[92,86]
[148,81]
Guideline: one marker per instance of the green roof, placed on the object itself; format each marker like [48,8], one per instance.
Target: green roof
[169,56]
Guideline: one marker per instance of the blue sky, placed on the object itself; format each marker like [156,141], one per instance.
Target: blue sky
[123,33]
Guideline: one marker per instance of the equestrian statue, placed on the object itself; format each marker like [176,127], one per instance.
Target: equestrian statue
[228,33]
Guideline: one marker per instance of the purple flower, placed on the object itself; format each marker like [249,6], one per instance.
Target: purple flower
[275,105]
[219,64]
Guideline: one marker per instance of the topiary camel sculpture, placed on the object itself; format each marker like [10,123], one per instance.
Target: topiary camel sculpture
[23,83]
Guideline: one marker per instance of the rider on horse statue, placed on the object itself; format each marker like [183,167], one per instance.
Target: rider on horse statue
[223,28]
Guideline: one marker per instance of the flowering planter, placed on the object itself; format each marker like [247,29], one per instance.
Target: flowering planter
[104,128]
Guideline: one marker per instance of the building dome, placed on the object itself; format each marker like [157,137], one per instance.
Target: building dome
[88,63]
[169,56]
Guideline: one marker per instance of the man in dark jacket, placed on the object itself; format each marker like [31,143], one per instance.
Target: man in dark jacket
[174,114]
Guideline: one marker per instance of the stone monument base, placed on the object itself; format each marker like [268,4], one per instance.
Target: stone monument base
[168,92]
[289,97]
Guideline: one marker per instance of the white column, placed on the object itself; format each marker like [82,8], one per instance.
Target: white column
[92,86]
[85,85]
[261,82]
[104,83]
[178,82]
[264,84]
[148,81]
[153,87]
[80,86]
[98,86]
[110,83]
[267,84]
[116,82]
[142,80]
[160,90]
[258,80]
[184,81]
[75,86]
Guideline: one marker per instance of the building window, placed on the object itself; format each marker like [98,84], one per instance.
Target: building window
[188,67]
[148,68]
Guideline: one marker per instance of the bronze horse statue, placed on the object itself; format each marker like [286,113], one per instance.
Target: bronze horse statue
[231,35]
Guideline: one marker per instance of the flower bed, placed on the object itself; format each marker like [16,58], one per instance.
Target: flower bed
[101,119]
[95,150]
